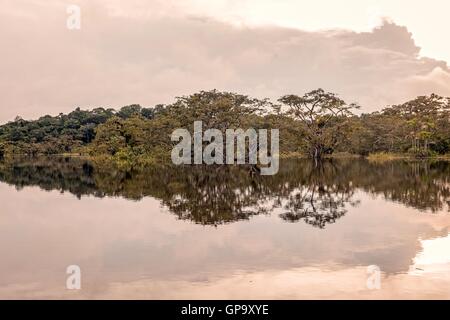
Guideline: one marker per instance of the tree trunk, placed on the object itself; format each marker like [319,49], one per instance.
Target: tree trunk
[317,152]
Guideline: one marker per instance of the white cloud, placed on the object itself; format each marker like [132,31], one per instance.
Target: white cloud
[151,54]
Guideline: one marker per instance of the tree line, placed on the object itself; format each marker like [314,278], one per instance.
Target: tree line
[315,124]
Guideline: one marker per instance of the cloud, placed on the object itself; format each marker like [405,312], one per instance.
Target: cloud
[149,56]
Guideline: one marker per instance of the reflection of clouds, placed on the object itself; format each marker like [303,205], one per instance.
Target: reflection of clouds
[321,282]
[317,204]
[434,256]
[116,242]
[301,283]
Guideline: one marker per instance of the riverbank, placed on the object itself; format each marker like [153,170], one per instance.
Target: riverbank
[131,160]
[379,156]
[386,156]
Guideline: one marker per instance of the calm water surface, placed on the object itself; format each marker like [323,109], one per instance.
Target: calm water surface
[221,232]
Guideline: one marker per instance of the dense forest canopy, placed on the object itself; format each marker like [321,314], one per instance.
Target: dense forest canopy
[314,124]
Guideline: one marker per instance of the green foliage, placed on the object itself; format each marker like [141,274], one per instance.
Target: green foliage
[420,127]
[62,133]
[315,124]
[322,116]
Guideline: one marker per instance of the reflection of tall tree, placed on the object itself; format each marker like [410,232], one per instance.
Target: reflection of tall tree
[320,200]
[211,195]
[220,194]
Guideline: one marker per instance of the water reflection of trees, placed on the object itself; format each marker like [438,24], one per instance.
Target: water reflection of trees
[320,199]
[301,191]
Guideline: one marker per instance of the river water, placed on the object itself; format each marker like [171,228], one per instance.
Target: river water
[309,232]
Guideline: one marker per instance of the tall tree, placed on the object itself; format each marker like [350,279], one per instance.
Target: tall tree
[322,114]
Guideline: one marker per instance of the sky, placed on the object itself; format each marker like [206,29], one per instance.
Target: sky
[375,53]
